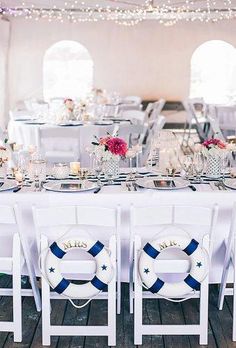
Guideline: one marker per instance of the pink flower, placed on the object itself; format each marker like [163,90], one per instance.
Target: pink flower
[215,142]
[117,146]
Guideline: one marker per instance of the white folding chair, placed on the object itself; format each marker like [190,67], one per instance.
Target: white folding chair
[58,144]
[196,109]
[226,116]
[146,223]
[215,128]
[53,223]
[12,262]
[229,262]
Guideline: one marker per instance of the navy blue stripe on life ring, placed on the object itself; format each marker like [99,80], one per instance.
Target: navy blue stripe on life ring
[96,248]
[192,282]
[191,247]
[152,252]
[97,283]
[58,252]
[62,286]
[156,287]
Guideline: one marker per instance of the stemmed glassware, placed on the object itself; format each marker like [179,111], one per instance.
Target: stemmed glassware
[198,165]
[98,170]
[225,163]
[187,165]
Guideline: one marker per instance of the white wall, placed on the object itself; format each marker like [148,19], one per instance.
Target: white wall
[149,59]
[4,45]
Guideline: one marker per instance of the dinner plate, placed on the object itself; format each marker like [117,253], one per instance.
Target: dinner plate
[103,123]
[37,123]
[230,183]
[22,119]
[163,183]
[8,185]
[70,186]
[70,124]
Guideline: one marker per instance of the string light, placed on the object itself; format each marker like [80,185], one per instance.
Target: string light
[123,12]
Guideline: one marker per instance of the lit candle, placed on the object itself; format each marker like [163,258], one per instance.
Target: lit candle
[74,167]
[18,176]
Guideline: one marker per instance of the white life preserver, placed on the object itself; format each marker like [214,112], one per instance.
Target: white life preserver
[198,270]
[104,270]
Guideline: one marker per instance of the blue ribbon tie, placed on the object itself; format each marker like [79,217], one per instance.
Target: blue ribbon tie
[62,286]
[193,283]
[58,252]
[97,283]
[191,247]
[156,287]
[96,248]
[152,252]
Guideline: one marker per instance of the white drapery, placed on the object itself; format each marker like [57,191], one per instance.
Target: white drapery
[4,48]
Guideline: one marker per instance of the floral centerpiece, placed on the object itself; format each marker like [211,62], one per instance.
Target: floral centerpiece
[215,150]
[109,150]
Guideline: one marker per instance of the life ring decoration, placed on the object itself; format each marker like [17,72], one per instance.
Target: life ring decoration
[104,269]
[198,270]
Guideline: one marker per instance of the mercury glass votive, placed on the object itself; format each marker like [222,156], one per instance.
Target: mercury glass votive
[61,171]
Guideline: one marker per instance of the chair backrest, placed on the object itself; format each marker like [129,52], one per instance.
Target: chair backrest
[96,222]
[136,116]
[110,110]
[58,139]
[196,220]
[132,99]
[159,105]
[226,116]
[215,128]
[8,226]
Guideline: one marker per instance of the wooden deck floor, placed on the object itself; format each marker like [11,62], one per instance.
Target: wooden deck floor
[220,322]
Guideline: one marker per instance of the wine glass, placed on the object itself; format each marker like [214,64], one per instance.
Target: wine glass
[186,164]
[98,170]
[225,163]
[198,164]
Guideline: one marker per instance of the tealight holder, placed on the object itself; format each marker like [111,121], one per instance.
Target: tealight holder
[61,171]
[74,168]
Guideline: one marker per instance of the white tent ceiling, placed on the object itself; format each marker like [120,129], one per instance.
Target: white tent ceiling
[126,12]
[125,4]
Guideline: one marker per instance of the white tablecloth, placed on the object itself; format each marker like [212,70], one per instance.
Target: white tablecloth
[111,196]
[26,134]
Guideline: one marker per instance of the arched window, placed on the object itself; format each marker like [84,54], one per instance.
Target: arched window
[213,72]
[67,71]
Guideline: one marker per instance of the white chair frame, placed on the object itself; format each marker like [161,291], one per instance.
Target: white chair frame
[13,265]
[164,216]
[81,216]
[229,260]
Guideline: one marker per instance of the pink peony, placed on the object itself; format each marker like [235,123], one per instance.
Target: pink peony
[215,142]
[117,146]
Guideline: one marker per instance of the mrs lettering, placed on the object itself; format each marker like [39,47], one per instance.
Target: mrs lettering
[74,244]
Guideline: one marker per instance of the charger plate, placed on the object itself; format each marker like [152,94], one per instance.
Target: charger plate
[70,186]
[163,183]
[8,185]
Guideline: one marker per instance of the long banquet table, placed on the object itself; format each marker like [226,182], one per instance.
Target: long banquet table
[111,196]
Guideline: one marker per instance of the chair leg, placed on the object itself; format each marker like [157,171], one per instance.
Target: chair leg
[223,286]
[204,296]
[46,310]
[17,305]
[138,301]
[112,299]
[131,299]
[46,306]
[234,313]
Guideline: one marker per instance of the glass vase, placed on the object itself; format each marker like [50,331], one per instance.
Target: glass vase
[213,169]
[111,168]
